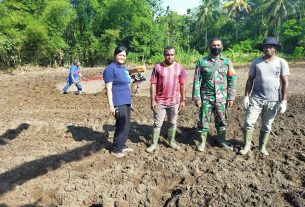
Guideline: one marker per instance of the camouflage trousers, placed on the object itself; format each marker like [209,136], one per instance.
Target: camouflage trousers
[206,110]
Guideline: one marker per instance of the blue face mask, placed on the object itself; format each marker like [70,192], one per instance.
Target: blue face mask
[216,51]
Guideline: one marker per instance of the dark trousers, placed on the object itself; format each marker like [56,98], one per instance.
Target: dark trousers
[122,126]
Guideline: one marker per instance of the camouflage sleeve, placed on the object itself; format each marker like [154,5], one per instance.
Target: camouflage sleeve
[196,84]
[231,82]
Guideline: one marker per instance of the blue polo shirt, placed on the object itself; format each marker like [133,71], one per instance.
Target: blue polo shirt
[119,76]
[74,70]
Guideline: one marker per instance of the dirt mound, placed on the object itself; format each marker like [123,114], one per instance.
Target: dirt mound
[54,152]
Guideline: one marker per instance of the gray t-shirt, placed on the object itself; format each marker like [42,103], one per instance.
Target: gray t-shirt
[267,82]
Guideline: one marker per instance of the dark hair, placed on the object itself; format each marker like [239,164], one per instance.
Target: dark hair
[169,48]
[119,49]
[215,39]
[75,61]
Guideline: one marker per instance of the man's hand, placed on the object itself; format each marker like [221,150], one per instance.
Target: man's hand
[246,102]
[182,105]
[283,106]
[230,104]
[198,103]
[154,106]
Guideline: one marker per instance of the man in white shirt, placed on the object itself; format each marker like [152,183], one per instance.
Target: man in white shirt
[268,85]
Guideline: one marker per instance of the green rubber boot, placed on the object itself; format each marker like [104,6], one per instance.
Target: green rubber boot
[155,138]
[247,139]
[263,141]
[222,140]
[203,136]
[171,133]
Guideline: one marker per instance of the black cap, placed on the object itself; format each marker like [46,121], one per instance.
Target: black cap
[270,41]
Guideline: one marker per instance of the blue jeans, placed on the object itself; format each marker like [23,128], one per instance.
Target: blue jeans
[67,86]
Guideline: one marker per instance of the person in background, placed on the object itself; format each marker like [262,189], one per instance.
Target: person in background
[117,82]
[267,87]
[214,89]
[168,96]
[74,78]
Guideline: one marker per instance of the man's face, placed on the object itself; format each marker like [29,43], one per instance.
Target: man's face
[269,50]
[169,56]
[216,47]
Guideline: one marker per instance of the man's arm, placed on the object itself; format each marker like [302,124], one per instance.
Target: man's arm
[283,104]
[231,78]
[196,86]
[153,89]
[73,80]
[284,81]
[183,96]
[249,85]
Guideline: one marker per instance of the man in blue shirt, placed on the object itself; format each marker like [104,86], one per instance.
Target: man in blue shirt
[73,78]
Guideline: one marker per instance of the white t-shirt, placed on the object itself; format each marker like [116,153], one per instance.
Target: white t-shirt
[267,82]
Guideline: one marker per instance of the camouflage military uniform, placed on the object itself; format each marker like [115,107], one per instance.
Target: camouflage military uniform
[214,84]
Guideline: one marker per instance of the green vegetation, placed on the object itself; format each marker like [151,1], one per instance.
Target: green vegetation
[53,32]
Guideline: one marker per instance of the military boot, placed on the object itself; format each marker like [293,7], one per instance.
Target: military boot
[247,139]
[155,138]
[203,137]
[222,140]
[171,133]
[263,140]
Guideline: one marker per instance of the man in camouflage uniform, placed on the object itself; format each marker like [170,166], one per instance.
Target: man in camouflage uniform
[213,91]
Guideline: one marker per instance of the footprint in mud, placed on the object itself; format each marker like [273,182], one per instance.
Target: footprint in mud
[171,202]
[295,198]
[301,156]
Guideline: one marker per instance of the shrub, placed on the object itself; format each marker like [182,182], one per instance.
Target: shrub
[298,53]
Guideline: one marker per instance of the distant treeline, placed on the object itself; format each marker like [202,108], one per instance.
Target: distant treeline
[53,32]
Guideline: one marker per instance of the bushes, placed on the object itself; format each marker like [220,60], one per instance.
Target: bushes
[185,58]
[241,57]
[298,53]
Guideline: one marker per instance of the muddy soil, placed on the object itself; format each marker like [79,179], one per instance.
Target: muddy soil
[54,151]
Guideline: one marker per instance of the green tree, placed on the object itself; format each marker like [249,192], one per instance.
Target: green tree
[277,11]
[133,20]
[293,34]
[13,21]
[206,14]
[80,33]
[35,45]
[107,44]
[236,11]
[56,17]
[156,7]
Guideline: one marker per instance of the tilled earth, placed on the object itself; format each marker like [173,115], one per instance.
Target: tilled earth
[54,151]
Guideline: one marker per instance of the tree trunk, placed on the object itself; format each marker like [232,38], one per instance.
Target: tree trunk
[206,37]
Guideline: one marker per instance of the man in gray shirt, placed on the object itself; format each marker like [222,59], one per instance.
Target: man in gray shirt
[268,80]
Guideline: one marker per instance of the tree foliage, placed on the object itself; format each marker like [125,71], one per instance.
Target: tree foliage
[54,32]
